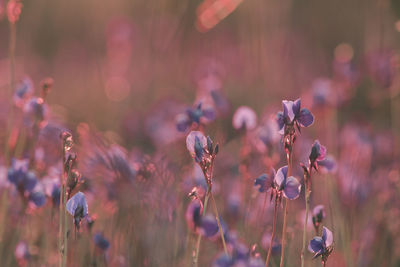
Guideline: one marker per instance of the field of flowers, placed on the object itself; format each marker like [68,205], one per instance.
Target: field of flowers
[223,133]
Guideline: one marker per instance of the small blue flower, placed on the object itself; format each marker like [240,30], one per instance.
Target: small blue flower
[38,198]
[194,115]
[101,242]
[265,182]
[19,175]
[23,91]
[290,186]
[77,207]
[293,114]
[322,245]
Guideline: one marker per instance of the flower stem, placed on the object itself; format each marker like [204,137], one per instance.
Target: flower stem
[219,223]
[11,51]
[307,198]
[289,173]
[196,253]
[273,233]
[62,199]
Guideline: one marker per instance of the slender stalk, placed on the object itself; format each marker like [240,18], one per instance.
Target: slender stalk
[307,198]
[11,51]
[289,173]
[62,214]
[273,233]
[219,223]
[196,254]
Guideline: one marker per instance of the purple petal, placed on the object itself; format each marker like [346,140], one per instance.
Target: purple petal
[280,176]
[327,237]
[280,119]
[209,226]
[77,200]
[182,122]
[244,116]
[296,107]
[38,198]
[305,118]
[209,114]
[288,109]
[318,209]
[30,181]
[329,164]
[292,188]
[316,245]
[264,182]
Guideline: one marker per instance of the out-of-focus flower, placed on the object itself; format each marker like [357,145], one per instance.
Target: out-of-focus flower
[193,214]
[268,133]
[244,118]
[290,186]
[265,182]
[381,67]
[194,115]
[19,175]
[318,215]
[241,256]
[322,92]
[101,242]
[208,226]
[23,91]
[14,8]
[22,253]
[35,111]
[77,207]
[266,241]
[293,114]
[322,246]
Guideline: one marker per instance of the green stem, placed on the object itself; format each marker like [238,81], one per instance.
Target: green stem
[289,173]
[219,223]
[307,198]
[196,254]
[60,228]
[273,233]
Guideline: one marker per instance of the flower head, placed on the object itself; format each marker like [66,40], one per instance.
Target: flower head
[101,242]
[292,115]
[318,215]
[23,91]
[77,207]
[194,115]
[322,245]
[13,10]
[195,143]
[265,182]
[289,186]
[18,174]
[244,118]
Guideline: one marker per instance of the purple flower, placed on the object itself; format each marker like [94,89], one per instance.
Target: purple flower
[22,253]
[293,114]
[38,198]
[318,215]
[322,245]
[288,185]
[194,115]
[35,111]
[195,143]
[193,214]
[209,226]
[19,175]
[265,182]
[245,118]
[101,242]
[23,91]
[77,207]
[328,164]
[318,153]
